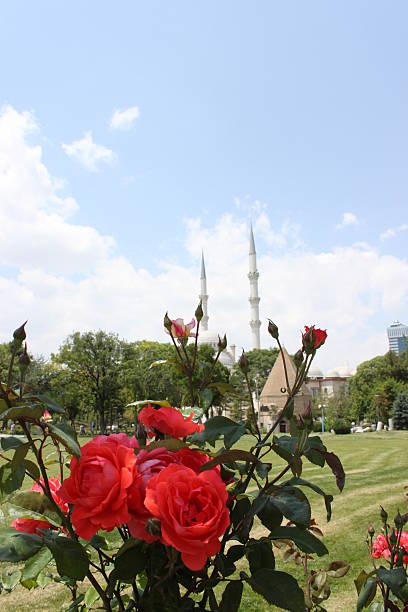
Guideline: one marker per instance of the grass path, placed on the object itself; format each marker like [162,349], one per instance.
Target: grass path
[376,466]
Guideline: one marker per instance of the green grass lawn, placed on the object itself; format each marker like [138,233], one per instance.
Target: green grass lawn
[376,473]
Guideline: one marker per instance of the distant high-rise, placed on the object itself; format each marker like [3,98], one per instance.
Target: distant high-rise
[397,337]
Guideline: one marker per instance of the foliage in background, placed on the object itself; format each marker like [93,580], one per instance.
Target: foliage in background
[400,411]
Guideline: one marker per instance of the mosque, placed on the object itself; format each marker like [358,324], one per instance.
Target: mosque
[271,400]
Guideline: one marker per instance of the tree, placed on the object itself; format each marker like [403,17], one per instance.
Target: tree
[261,362]
[376,385]
[93,360]
[400,411]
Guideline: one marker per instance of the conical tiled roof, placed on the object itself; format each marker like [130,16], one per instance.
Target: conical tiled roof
[277,380]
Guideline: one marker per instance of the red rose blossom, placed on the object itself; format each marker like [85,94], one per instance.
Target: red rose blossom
[192,511]
[99,485]
[149,464]
[168,421]
[319,336]
[116,439]
[29,525]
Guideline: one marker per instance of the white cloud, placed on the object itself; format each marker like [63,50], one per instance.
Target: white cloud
[65,277]
[89,154]
[393,231]
[125,120]
[349,218]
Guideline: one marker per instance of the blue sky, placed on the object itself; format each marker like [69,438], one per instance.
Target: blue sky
[291,114]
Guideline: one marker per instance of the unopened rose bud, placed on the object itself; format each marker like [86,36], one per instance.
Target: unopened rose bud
[19,333]
[167,322]
[298,358]
[199,312]
[398,521]
[153,527]
[222,344]
[243,363]
[371,530]
[273,329]
[384,515]
[308,340]
[24,360]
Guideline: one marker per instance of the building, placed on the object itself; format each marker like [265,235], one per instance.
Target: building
[274,394]
[397,337]
[333,383]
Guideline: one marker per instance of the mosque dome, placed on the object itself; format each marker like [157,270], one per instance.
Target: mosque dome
[333,374]
[315,372]
[207,336]
[344,371]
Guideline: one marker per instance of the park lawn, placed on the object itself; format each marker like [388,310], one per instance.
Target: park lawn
[376,473]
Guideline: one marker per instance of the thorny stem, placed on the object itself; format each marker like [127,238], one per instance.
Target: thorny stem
[195,346]
[284,365]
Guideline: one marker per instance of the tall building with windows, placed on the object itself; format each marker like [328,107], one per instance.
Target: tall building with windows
[397,337]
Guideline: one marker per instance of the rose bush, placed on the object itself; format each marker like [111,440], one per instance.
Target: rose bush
[181,495]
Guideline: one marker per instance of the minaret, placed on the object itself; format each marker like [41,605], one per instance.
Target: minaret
[254,299]
[203,295]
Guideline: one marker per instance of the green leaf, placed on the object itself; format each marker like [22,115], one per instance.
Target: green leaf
[221,426]
[151,402]
[206,398]
[278,588]
[305,540]
[9,580]
[91,596]
[70,556]
[18,546]
[367,594]
[328,499]
[229,456]
[293,504]
[32,412]
[19,454]
[11,442]
[268,513]
[11,478]
[315,451]
[240,510]
[47,402]
[35,504]
[65,434]
[35,565]
[32,469]
[98,542]
[129,561]
[231,598]
[235,552]
[336,467]
[74,607]
[224,387]
[394,578]
[260,555]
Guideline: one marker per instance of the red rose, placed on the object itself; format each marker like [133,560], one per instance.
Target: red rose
[29,525]
[149,464]
[168,421]
[99,485]
[313,338]
[192,511]
[119,438]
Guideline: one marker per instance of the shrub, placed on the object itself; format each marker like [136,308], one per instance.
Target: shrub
[342,427]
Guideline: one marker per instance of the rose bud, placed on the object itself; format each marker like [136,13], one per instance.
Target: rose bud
[398,521]
[24,360]
[298,358]
[371,530]
[222,344]
[243,363]
[384,515]
[308,340]
[167,322]
[199,312]
[273,329]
